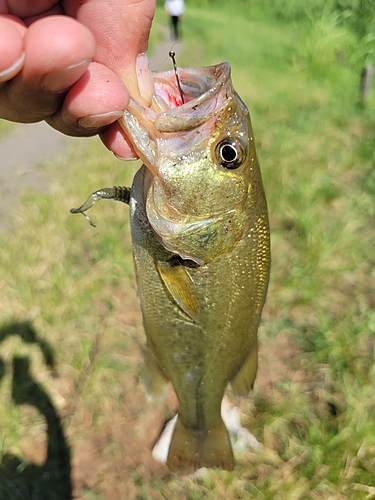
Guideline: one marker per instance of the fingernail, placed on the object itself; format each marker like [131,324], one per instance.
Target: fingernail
[127,158]
[10,72]
[60,80]
[144,77]
[100,120]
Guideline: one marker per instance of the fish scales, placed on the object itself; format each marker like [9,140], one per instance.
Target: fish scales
[201,254]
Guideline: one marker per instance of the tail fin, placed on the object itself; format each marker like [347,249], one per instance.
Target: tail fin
[191,449]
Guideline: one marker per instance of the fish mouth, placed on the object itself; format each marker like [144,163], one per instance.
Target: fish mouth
[200,89]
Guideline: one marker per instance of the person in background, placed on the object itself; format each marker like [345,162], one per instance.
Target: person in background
[175,9]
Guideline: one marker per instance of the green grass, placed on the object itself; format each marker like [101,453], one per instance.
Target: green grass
[313,406]
[5,127]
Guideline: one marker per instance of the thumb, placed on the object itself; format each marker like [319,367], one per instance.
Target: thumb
[121,29]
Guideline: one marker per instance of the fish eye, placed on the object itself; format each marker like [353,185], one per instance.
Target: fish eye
[230,153]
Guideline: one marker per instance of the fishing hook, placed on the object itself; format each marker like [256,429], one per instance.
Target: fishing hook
[172,55]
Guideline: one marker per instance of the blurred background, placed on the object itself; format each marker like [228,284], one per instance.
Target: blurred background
[74,420]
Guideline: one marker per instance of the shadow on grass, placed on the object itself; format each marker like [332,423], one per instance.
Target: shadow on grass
[20,480]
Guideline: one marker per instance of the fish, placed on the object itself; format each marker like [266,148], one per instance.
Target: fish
[201,252]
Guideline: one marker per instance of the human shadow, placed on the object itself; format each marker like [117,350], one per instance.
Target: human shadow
[27,333]
[20,480]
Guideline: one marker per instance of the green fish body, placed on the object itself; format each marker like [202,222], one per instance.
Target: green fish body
[201,253]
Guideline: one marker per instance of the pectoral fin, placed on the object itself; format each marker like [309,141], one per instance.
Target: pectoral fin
[154,380]
[180,286]
[243,382]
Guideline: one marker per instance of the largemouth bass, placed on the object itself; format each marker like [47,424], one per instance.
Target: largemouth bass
[201,251]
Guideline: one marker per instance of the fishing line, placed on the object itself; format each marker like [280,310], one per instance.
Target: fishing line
[166,59]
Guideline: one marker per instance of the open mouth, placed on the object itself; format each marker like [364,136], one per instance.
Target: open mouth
[194,85]
[198,89]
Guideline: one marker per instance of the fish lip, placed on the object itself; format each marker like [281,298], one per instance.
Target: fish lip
[210,80]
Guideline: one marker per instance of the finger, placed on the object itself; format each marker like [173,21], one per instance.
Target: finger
[113,138]
[98,99]
[58,51]
[11,43]
[121,29]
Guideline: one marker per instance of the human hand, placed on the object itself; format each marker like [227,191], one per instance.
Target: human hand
[73,64]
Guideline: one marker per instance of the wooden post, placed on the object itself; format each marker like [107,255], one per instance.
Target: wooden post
[366,82]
